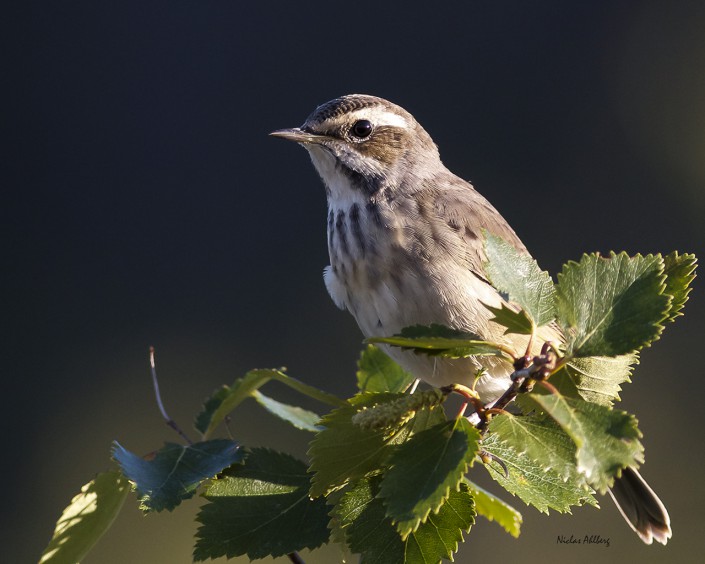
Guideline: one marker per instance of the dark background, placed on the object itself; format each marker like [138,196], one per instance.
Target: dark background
[145,205]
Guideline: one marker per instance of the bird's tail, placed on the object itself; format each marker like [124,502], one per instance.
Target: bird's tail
[641,507]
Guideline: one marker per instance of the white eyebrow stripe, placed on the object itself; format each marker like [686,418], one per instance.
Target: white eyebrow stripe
[380,116]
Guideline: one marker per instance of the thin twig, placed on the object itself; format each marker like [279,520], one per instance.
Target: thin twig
[226,421]
[527,371]
[295,558]
[501,403]
[155,382]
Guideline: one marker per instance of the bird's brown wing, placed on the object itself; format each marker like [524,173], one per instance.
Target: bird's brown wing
[469,214]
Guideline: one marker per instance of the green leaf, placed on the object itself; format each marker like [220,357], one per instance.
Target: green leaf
[297,416]
[344,451]
[439,536]
[438,340]
[175,471]
[680,272]
[425,469]
[371,533]
[531,482]
[541,439]
[612,306]
[226,399]
[379,373]
[359,511]
[86,518]
[260,508]
[596,379]
[494,509]
[518,275]
[607,440]
[513,321]
[351,446]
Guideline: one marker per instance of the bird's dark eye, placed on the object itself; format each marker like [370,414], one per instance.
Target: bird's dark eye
[361,128]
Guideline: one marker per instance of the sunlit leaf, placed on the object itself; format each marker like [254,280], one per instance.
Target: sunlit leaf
[531,482]
[680,272]
[224,400]
[300,418]
[494,509]
[596,379]
[519,276]
[541,439]
[612,306]
[437,340]
[86,518]
[227,398]
[377,372]
[607,439]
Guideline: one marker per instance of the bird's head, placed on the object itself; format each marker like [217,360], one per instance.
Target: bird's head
[365,143]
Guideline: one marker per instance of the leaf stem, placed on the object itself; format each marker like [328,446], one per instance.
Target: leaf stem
[550,387]
[470,395]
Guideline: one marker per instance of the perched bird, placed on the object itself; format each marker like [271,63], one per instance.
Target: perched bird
[405,239]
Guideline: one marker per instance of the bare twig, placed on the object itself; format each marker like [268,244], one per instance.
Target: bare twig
[169,421]
[295,558]
[527,371]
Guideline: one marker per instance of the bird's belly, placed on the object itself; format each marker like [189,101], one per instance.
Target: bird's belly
[394,296]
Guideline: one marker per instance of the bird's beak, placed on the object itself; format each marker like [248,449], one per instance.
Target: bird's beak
[299,135]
